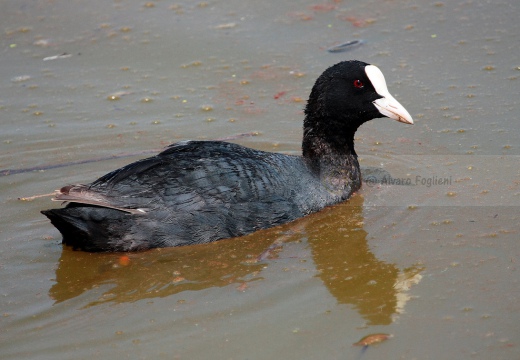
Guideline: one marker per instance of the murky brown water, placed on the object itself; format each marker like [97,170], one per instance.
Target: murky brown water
[428,254]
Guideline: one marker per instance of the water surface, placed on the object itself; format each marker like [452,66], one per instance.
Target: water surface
[427,251]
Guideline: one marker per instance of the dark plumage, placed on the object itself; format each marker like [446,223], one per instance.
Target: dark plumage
[202,191]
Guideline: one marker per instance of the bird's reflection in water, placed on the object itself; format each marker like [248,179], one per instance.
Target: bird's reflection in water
[343,260]
[351,272]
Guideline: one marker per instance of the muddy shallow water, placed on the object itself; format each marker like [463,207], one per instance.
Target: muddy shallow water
[427,251]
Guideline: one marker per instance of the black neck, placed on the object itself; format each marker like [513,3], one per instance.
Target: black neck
[331,156]
[322,138]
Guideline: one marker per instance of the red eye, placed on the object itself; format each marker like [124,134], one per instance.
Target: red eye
[358,84]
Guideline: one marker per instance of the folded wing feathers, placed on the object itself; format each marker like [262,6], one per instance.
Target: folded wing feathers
[81,194]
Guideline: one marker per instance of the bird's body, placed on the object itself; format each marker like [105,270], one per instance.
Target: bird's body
[229,191]
[202,191]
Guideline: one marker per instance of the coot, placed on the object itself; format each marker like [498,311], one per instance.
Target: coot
[202,191]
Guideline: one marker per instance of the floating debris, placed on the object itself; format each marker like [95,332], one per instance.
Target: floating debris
[55,57]
[43,42]
[226,26]
[297,74]
[279,95]
[124,260]
[358,22]
[346,46]
[242,287]
[373,339]
[20,78]
[193,63]
[117,95]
